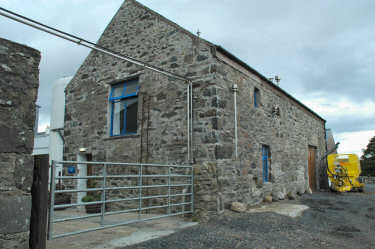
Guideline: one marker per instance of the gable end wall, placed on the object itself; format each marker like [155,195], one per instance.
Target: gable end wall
[161,100]
[219,177]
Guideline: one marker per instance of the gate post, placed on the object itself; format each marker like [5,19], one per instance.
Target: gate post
[51,201]
[39,193]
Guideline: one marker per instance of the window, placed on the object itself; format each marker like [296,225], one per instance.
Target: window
[256,97]
[124,107]
[265,157]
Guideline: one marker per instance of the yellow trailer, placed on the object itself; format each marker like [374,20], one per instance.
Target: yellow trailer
[343,172]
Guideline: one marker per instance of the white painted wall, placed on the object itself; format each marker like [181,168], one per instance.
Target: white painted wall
[41,143]
[56,144]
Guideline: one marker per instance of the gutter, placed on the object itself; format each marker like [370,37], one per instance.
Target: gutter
[58,130]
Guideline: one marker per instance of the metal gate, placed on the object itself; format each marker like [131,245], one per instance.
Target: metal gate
[117,188]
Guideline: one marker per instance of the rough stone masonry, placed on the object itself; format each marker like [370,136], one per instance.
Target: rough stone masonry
[19,82]
[277,121]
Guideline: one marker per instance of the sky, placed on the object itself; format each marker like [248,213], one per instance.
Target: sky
[323,49]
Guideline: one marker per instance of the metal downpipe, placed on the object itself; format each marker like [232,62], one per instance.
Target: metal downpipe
[235,89]
[188,122]
[191,122]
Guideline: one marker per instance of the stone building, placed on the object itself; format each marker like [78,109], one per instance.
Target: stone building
[19,82]
[331,145]
[122,112]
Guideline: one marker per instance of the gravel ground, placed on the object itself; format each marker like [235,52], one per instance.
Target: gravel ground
[333,221]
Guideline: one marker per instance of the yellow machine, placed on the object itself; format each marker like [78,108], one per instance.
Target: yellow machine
[343,172]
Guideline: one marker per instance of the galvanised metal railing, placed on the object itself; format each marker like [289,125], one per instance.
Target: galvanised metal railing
[185,181]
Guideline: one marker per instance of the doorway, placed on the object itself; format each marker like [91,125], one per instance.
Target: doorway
[312,167]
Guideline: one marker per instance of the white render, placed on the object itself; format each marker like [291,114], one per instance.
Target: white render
[41,143]
[57,121]
[50,142]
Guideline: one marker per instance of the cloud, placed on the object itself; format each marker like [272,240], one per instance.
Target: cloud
[339,108]
[353,142]
[316,46]
[58,57]
[341,71]
[352,122]
[322,49]
[44,122]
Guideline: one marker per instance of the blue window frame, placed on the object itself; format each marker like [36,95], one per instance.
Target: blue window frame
[256,97]
[124,108]
[265,154]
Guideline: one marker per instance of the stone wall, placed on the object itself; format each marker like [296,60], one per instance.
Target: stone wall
[150,38]
[220,177]
[368,179]
[162,124]
[19,81]
[287,132]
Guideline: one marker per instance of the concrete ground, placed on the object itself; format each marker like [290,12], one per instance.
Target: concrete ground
[112,237]
[291,210]
[332,220]
[320,220]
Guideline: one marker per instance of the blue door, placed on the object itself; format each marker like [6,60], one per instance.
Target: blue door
[265,163]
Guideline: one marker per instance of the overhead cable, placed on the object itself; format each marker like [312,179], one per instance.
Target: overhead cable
[75,39]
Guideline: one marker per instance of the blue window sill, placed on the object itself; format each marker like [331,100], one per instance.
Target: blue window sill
[122,136]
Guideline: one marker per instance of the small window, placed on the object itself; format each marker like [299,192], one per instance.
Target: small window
[265,162]
[256,97]
[123,101]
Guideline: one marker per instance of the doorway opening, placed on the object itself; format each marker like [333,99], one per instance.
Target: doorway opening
[312,167]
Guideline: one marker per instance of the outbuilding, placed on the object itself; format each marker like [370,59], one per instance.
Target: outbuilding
[246,136]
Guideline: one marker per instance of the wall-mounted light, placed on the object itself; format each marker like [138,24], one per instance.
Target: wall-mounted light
[82,149]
